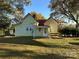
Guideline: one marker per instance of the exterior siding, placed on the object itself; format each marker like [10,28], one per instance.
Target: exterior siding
[53,26]
[38,33]
[29,20]
[27,29]
[21,29]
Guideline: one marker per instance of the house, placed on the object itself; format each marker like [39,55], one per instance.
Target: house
[36,28]
[53,25]
[26,27]
[30,27]
[43,29]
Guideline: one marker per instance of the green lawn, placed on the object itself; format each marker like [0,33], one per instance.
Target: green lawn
[44,48]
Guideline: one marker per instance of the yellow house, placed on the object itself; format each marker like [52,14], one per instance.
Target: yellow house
[53,25]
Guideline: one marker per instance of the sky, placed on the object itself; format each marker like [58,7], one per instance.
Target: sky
[39,6]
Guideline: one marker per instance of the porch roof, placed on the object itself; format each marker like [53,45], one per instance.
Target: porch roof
[41,22]
[42,26]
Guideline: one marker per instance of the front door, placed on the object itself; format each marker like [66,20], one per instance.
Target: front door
[45,32]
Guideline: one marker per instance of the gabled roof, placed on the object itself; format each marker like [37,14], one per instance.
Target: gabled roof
[57,20]
[26,16]
[22,20]
[41,22]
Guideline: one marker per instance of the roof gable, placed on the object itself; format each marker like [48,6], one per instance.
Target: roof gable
[50,21]
[57,20]
[27,16]
[28,19]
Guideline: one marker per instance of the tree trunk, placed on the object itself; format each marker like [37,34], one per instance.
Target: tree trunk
[77,25]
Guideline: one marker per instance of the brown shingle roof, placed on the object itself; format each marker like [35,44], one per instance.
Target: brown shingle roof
[41,22]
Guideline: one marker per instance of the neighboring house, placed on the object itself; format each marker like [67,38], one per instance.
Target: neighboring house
[53,29]
[53,25]
[30,27]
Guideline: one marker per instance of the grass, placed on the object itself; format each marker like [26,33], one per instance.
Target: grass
[42,48]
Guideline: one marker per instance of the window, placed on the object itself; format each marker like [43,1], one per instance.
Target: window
[30,29]
[27,29]
[45,30]
[39,29]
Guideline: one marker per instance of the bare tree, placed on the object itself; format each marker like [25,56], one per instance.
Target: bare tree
[67,8]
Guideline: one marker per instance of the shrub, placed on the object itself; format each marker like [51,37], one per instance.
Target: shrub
[69,31]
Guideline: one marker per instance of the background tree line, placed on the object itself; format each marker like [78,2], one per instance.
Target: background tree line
[9,8]
[37,16]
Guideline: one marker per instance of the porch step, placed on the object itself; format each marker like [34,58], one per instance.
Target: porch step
[54,35]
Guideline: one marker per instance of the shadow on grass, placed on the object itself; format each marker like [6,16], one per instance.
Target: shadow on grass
[30,41]
[29,54]
[51,56]
[74,43]
[9,52]
[22,40]
[77,39]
